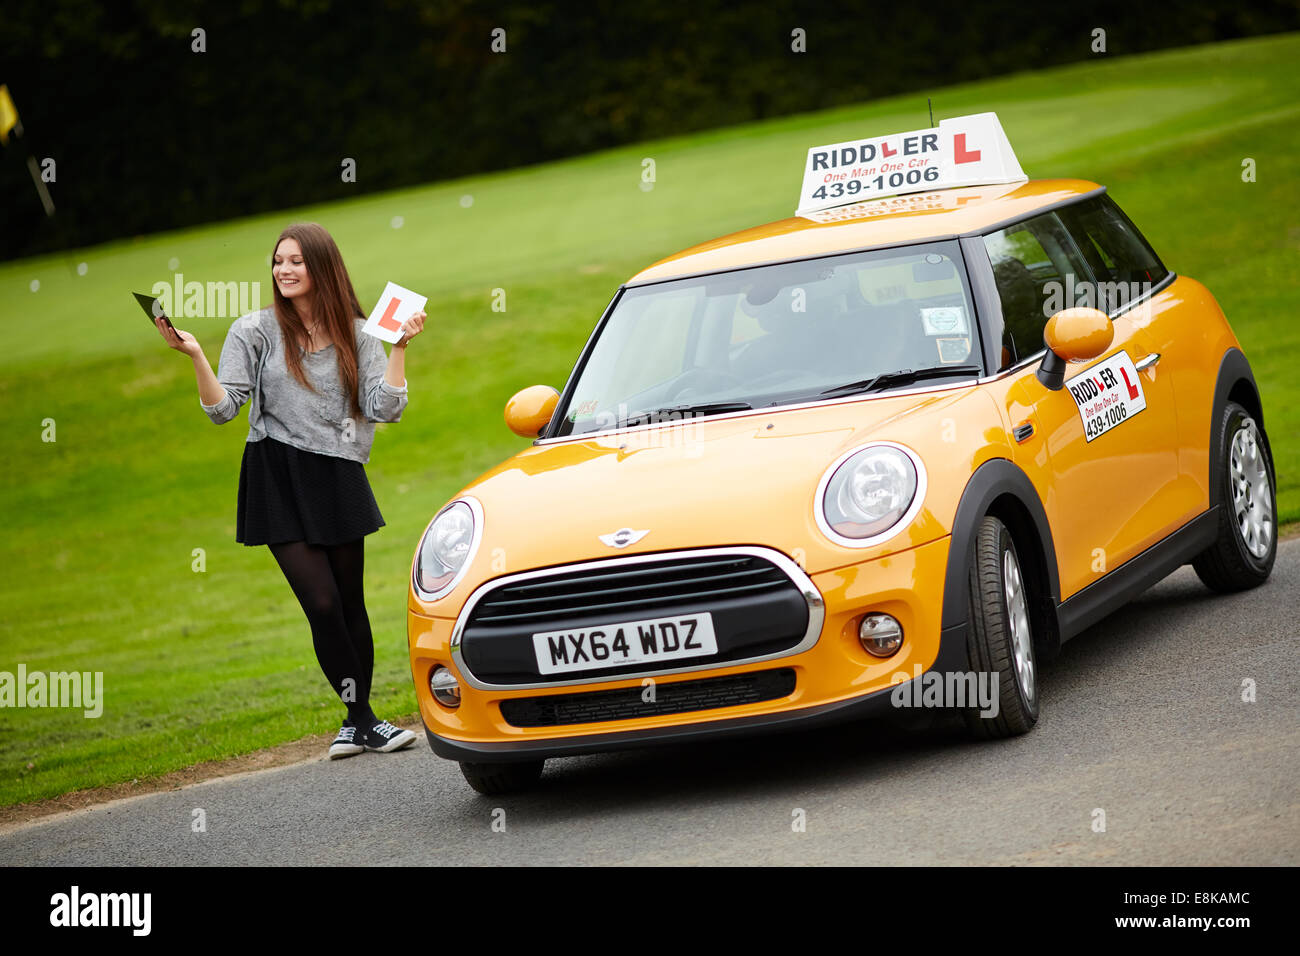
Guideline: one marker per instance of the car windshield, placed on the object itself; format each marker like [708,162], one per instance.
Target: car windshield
[777,334]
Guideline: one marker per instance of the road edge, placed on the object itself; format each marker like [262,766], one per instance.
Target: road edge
[309,749]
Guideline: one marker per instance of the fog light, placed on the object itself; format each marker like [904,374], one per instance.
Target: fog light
[880,634]
[445,687]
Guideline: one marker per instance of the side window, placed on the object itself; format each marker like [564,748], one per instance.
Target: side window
[1126,267]
[1036,267]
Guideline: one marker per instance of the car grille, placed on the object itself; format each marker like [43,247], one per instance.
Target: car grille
[638,591]
[757,609]
[670,698]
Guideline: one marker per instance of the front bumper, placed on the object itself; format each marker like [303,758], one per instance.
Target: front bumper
[835,679]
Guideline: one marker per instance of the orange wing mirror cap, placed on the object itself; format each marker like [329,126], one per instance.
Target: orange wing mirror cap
[1073,335]
[530,409]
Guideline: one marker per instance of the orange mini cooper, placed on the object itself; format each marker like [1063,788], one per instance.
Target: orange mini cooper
[891,455]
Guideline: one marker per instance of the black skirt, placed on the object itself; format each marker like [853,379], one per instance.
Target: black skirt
[287,494]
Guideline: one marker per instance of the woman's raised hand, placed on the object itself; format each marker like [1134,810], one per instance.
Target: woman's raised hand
[412,327]
[179,340]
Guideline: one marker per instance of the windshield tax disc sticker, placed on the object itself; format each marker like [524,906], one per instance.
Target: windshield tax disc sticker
[1108,394]
[945,320]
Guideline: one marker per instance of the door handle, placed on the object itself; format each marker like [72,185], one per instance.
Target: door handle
[1145,363]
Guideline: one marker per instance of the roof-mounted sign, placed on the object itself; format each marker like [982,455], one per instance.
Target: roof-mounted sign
[964,151]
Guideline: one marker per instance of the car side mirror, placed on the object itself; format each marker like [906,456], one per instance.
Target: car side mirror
[529,410]
[1073,335]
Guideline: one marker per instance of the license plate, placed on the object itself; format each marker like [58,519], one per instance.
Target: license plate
[649,641]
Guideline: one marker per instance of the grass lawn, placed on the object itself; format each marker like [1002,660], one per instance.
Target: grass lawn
[102,525]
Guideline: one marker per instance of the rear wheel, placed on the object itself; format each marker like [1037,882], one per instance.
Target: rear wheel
[1242,556]
[1000,639]
[493,779]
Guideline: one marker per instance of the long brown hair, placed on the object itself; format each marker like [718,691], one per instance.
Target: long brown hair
[334,304]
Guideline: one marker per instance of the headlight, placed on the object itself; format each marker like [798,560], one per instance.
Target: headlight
[447,547]
[870,493]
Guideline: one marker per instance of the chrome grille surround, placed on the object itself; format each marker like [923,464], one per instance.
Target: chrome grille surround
[812,597]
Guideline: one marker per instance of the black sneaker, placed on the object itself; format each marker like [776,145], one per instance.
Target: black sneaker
[347,743]
[384,738]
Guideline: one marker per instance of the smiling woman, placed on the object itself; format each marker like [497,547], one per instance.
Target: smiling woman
[318,384]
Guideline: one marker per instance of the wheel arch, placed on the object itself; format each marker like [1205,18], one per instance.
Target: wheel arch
[1000,488]
[1235,383]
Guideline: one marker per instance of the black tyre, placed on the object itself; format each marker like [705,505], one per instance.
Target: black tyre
[1243,553]
[492,779]
[1000,639]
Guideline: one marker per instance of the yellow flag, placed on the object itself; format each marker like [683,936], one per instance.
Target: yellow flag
[8,114]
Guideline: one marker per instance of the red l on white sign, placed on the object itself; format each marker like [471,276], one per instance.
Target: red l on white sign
[960,154]
[395,306]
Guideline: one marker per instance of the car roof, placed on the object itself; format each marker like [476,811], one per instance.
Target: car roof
[917,217]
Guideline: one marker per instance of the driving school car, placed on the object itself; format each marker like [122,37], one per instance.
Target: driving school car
[890,452]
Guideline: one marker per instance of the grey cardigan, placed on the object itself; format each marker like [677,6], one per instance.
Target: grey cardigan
[253,363]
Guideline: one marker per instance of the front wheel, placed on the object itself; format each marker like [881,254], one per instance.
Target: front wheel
[494,779]
[1242,555]
[1000,639]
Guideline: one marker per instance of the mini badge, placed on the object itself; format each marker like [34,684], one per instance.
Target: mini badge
[1108,394]
[623,537]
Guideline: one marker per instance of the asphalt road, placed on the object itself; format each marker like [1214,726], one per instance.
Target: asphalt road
[1143,719]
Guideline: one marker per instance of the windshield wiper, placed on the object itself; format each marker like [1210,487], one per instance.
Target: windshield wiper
[901,376]
[675,412]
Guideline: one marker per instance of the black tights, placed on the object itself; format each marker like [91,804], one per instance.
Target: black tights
[327,582]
